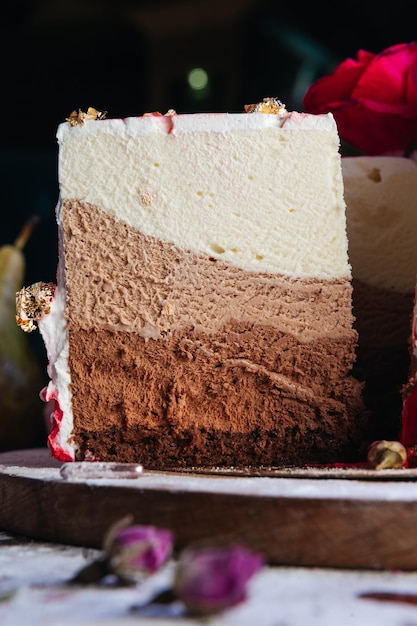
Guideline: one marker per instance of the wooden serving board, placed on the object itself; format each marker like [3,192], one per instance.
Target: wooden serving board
[322,518]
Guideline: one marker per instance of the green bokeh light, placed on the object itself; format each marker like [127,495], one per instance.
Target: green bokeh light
[198,79]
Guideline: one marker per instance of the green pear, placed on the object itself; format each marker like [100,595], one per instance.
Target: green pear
[21,376]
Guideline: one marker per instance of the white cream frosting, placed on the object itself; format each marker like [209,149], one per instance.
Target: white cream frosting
[226,185]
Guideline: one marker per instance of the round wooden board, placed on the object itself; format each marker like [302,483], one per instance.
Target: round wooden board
[321,518]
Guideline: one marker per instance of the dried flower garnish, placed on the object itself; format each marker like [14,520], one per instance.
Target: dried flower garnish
[133,550]
[387,455]
[77,118]
[130,554]
[268,105]
[32,304]
[204,580]
[211,579]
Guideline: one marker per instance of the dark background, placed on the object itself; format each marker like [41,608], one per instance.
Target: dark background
[128,57]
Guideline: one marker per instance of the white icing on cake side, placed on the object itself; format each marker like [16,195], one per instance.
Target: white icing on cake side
[54,334]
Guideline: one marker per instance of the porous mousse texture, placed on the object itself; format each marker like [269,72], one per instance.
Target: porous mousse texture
[206,291]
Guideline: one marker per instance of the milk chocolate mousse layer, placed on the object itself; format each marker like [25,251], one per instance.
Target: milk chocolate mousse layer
[182,360]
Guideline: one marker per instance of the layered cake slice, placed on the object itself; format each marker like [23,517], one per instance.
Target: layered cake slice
[203,312]
[380,195]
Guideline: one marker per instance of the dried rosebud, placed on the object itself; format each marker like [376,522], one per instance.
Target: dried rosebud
[133,552]
[211,579]
[387,455]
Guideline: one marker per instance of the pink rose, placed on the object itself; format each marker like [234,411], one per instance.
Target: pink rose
[373,100]
[211,579]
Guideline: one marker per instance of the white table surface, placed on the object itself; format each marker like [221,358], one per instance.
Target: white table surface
[33,592]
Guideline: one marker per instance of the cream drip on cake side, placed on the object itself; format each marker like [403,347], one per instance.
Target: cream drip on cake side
[54,333]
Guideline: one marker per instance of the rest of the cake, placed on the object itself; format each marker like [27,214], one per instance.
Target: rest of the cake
[203,312]
[409,394]
[380,193]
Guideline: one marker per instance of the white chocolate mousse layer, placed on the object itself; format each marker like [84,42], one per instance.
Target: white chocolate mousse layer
[225,185]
